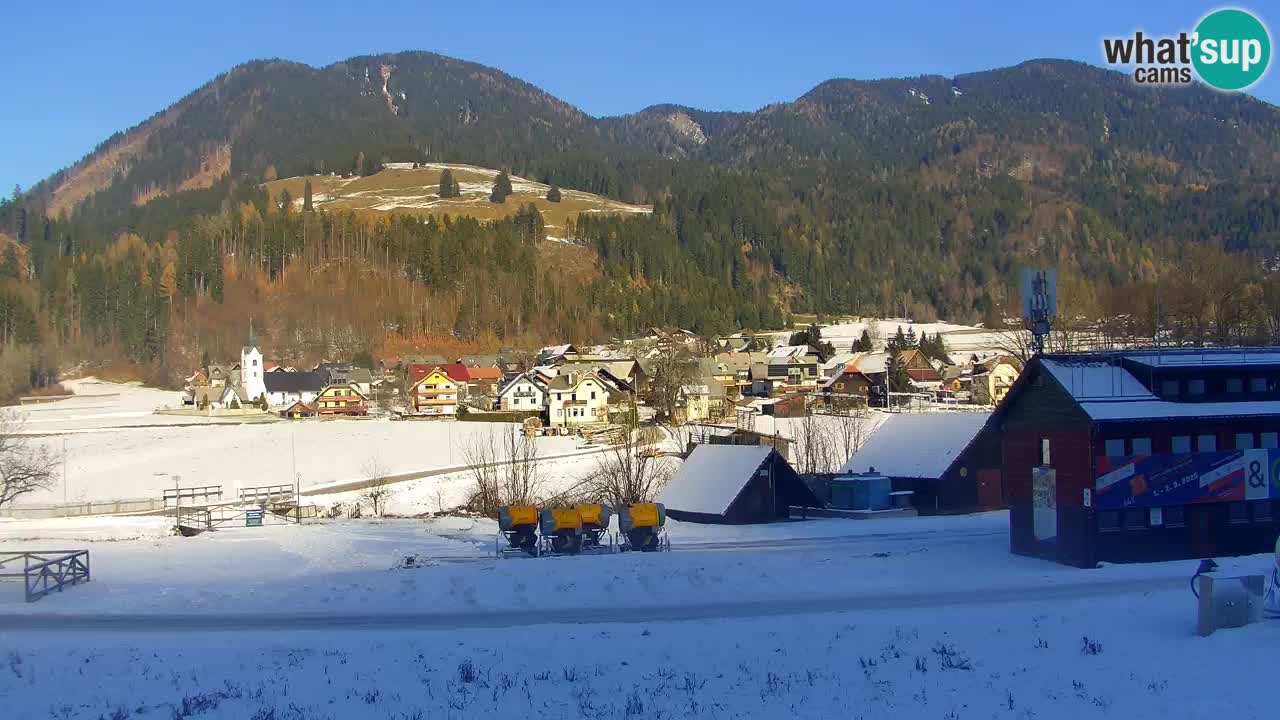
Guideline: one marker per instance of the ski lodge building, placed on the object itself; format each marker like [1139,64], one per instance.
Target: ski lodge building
[1135,456]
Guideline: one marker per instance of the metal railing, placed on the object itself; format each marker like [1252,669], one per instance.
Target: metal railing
[204,493]
[47,571]
[267,493]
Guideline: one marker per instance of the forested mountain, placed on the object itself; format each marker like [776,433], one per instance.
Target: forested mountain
[920,196]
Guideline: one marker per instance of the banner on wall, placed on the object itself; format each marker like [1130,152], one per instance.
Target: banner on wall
[1183,479]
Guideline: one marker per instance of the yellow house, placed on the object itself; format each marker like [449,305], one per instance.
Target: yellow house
[992,380]
[435,394]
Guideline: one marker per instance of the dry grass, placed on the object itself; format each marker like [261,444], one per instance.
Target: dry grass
[415,191]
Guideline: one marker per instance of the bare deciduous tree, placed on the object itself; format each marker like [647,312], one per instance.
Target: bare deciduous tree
[25,467]
[672,370]
[628,472]
[378,492]
[849,431]
[815,451]
[503,465]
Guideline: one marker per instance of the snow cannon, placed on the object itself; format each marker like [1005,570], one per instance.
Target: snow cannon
[517,530]
[561,530]
[595,527]
[642,527]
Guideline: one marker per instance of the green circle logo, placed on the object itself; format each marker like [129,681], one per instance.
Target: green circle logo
[1232,49]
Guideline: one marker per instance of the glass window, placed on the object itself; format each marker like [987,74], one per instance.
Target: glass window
[1257,384]
[1115,448]
[1270,440]
[1135,519]
[1175,516]
[1206,443]
[1261,510]
[1169,387]
[1238,512]
[1244,441]
[1108,521]
[1044,451]
[1195,386]
[1181,444]
[1235,385]
[1142,446]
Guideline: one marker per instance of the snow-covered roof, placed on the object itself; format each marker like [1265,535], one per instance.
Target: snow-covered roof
[713,476]
[1107,391]
[875,362]
[1160,409]
[1208,357]
[786,351]
[917,445]
[1097,379]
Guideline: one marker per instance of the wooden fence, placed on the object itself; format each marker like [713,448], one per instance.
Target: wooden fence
[46,571]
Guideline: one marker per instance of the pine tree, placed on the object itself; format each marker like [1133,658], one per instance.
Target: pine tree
[306,197]
[286,200]
[501,188]
[448,186]
[864,343]
[553,195]
[911,338]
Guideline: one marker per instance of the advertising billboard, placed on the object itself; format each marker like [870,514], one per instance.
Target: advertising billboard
[1182,479]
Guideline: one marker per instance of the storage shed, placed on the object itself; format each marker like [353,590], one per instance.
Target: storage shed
[735,485]
[950,461]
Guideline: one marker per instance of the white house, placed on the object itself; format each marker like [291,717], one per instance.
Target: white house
[577,399]
[527,391]
[251,372]
[285,388]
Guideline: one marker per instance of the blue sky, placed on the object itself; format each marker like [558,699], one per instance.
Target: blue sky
[74,72]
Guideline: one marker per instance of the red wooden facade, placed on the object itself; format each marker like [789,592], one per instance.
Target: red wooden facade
[1044,425]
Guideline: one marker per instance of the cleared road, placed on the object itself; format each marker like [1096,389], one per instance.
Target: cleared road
[515,617]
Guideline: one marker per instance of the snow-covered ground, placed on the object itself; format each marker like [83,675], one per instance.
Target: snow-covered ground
[115,445]
[920,617]
[961,340]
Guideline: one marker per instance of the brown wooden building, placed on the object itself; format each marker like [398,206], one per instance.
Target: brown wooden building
[1143,456]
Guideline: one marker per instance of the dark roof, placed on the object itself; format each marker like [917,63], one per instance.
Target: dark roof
[294,381]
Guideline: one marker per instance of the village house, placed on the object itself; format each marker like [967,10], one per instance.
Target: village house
[578,399]
[992,379]
[435,393]
[286,388]
[527,392]
[341,399]
[298,410]
[848,388]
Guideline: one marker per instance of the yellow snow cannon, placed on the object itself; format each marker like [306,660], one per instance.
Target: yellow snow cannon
[561,531]
[517,530]
[596,537]
[642,527]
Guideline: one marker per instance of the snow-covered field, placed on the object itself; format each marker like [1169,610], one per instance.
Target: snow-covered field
[115,446]
[904,618]
[961,340]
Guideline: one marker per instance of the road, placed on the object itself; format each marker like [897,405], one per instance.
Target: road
[473,619]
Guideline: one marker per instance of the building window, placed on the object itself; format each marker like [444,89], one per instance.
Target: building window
[1169,387]
[1175,516]
[1257,384]
[1270,440]
[1108,521]
[1195,386]
[1235,386]
[593,394]
[1115,448]
[1141,446]
[1206,443]
[1135,519]
[1044,452]
[1181,444]
[1244,441]
[1238,513]
[1261,510]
